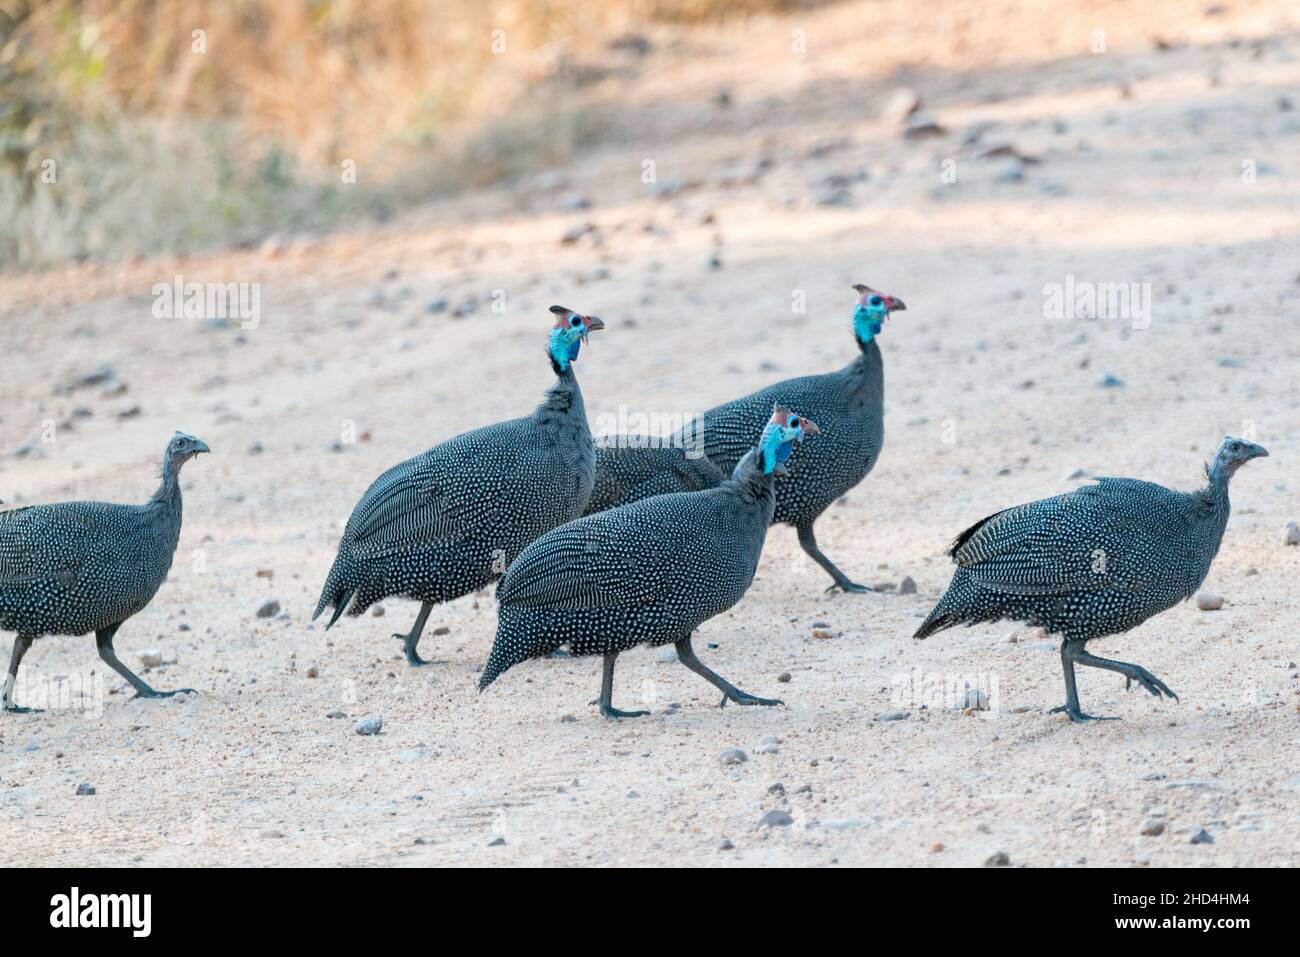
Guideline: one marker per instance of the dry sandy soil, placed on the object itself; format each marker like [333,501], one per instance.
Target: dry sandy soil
[991,401]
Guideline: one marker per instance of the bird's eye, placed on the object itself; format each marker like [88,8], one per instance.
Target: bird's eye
[875,300]
[794,422]
[576,321]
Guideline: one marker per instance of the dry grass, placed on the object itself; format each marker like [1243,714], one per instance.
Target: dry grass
[178,125]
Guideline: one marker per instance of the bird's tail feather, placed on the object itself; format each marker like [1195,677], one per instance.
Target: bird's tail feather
[340,587]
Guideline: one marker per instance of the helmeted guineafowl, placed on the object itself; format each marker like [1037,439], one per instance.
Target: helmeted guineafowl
[449,521]
[849,406]
[76,567]
[650,572]
[1093,562]
[628,474]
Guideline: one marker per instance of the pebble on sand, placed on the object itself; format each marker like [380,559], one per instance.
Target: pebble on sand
[733,756]
[1000,859]
[783,678]
[151,658]
[894,715]
[775,818]
[907,586]
[1153,828]
[269,608]
[1291,534]
[84,789]
[371,725]
[1209,601]
[1202,837]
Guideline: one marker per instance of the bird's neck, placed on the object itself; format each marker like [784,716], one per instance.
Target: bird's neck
[563,401]
[866,373]
[1214,497]
[168,495]
[749,480]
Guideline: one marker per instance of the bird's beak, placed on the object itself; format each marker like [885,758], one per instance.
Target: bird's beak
[810,427]
[593,323]
[201,446]
[894,304]
[1257,451]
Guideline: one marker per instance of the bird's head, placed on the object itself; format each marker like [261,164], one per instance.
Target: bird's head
[1232,454]
[568,334]
[779,435]
[181,448]
[872,310]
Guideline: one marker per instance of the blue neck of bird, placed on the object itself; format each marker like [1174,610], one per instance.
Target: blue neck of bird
[562,351]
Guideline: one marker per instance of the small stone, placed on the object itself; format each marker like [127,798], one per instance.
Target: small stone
[733,756]
[1000,859]
[783,678]
[270,834]
[1209,601]
[370,725]
[937,847]
[894,715]
[920,126]
[499,842]
[821,633]
[668,655]
[335,714]
[151,658]
[269,608]
[767,748]
[899,105]
[776,790]
[1152,827]
[1202,837]
[775,818]
[1291,534]
[377,611]
[312,671]
[85,789]
[1108,381]
[726,845]
[907,586]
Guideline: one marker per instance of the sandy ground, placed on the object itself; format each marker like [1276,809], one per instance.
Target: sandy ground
[991,401]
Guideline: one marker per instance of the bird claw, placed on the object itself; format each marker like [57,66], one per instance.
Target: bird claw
[744,699]
[849,587]
[151,693]
[1149,681]
[1078,717]
[615,715]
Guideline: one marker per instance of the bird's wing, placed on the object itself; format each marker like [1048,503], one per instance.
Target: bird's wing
[1082,541]
[48,542]
[733,428]
[623,558]
[442,496]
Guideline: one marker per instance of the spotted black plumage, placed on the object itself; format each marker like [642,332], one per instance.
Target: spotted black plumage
[448,522]
[628,474]
[646,573]
[77,567]
[847,404]
[1093,562]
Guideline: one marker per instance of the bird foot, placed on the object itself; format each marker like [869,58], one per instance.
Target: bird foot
[151,693]
[744,699]
[1149,681]
[615,715]
[1078,717]
[412,658]
[848,587]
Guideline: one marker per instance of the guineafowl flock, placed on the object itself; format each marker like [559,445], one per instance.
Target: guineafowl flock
[599,547]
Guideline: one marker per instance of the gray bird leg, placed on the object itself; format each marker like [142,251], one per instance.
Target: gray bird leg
[808,541]
[607,692]
[686,655]
[1070,653]
[1130,672]
[104,641]
[411,639]
[21,644]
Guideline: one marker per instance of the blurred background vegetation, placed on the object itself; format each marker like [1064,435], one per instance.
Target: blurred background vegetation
[164,138]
